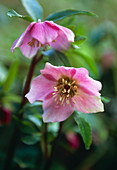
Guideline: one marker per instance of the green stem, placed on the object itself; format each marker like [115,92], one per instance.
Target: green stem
[16,134]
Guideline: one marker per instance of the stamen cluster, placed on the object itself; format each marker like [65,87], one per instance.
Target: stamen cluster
[64,90]
[33,42]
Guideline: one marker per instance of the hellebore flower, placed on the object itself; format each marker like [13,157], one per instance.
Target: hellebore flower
[42,34]
[5,116]
[63,89]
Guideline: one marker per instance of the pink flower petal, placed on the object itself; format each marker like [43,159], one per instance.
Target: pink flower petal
[19,40]
[28,50]
[39,89]
[81,74]
[61,43]
[69,34]
[44,32]
[87,83]
[87,103]
[56,72]
[54,112]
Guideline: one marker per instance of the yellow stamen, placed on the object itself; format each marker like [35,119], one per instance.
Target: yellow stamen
[73,82]
[64,91]
[68,91]
[55,89]
[63,81]
[67,95]
[58,102]
[69,84]
[55,99]
[54,41]
[75,87]
[62,101]
[60,98]
[67,101]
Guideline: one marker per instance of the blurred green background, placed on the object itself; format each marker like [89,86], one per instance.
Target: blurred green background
[101,47]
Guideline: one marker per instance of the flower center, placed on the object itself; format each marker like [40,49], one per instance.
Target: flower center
[64,90]
[33,42]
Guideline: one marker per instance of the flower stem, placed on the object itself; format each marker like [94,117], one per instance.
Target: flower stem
[16,134]
[54,145]
[27,84]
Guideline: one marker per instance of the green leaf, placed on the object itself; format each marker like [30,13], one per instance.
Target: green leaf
[25,156]
[33,8]
[105,99]
[11,76]
[62,14]
[89,60]
[98,126]
[31,140]
[56,57]
[13,13]
[27,127]
[28,105]
[79,40]
[85,130]
[10,97]
[79,59]
[34,119]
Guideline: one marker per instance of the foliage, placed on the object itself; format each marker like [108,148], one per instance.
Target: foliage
[95,44]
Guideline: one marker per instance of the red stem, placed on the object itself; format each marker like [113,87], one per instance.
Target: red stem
[16,134]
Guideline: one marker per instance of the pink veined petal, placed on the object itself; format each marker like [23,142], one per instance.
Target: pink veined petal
[51,70]
[91,87]
[81,74]
[19,40]
[93,84]
[54,112]
[88,91]
[29,27]
[63,31]
[40,87]
[57,72]
[69,34]
[61,43]
[86,82]
[87,103]
[26,49]
[44,32]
